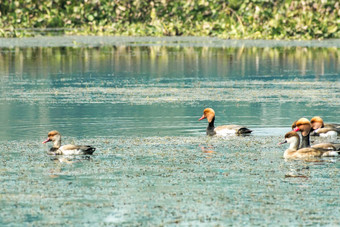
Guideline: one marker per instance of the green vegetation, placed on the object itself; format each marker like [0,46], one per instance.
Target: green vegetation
[237,19]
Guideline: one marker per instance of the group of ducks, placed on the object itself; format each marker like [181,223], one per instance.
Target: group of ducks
[307,128]
[315,127]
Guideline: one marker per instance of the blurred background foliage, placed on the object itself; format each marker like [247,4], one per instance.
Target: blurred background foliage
[157,61]
[237,19]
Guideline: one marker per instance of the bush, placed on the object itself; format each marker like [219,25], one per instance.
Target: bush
[247,19]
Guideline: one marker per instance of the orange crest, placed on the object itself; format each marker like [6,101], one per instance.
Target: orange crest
[209,113]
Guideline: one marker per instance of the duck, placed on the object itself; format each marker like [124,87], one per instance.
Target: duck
[223,130]
[317,122]
[69,149]
[325,133]
[304,126]
[324,130]
[294,152]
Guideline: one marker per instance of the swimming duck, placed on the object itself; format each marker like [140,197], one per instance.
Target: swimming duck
[324,130]
[57,149]
[317,122]
[223,130]
[304,126]
[293,152]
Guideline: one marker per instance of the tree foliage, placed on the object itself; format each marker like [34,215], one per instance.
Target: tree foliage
[246,19]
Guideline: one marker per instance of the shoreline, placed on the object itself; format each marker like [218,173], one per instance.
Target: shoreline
[170,41]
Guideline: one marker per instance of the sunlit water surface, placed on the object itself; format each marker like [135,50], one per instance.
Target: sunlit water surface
[138,102]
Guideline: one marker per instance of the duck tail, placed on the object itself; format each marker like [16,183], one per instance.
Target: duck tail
[89,149]
[243,131]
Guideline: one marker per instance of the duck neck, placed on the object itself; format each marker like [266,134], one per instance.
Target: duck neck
[211,127]
[294,145]
[305,140]
[57,143]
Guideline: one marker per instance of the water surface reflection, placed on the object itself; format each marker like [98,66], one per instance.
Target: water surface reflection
[161,90]
[151,62]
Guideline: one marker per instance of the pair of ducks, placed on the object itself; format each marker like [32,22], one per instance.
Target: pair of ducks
[319,128]
[57,149]
[208,113]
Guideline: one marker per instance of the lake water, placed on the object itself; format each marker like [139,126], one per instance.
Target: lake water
[138,100]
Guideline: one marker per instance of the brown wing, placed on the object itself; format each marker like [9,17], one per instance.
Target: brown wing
[69,147]
[325,146]
[309,152]
[334,125]
[325,130]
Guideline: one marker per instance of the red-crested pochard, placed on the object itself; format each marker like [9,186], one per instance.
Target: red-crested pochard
[324,130]
[293,152]
[304,126]
[223,130]
[70,149]
[317,122]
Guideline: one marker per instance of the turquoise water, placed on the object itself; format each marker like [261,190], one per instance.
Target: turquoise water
[138,101]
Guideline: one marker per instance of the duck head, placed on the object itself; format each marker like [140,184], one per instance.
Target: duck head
[53,136]
[317,122]
[302,125]
[209,114]
[293,139]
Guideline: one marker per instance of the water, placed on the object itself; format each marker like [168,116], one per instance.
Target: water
[138,101]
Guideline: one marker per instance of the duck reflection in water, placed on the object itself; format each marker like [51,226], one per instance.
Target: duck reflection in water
[209,149]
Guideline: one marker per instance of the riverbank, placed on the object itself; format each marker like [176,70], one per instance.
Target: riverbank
[96,41]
